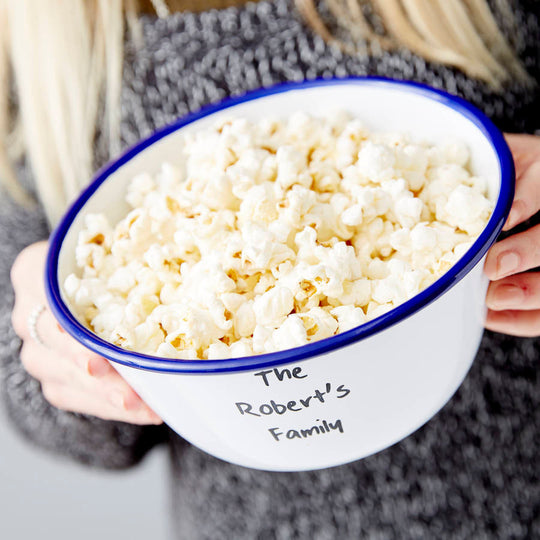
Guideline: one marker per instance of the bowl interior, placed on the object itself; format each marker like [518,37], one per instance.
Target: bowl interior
[380,105]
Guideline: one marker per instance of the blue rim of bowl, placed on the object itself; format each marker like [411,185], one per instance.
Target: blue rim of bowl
[401,312]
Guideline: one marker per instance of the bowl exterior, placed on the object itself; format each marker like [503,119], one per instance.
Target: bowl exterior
[329,402]
[333,408]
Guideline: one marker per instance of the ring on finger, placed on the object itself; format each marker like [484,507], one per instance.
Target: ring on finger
[33,319]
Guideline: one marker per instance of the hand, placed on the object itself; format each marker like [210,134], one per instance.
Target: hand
[513,296]
[72,377]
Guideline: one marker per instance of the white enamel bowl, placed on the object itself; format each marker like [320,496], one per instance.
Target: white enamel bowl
[342,398]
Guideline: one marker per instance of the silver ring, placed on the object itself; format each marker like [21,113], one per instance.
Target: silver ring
[32,324]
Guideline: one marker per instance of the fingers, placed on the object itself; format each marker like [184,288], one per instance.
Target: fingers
[27,272]
[46,366]
[521,291]
[517,253]
[19,322]
[72,377]
[94,373]
[513,297]
[69,399]
[524,147]
[58,340]
[69,387]
[514,322]
[526,152]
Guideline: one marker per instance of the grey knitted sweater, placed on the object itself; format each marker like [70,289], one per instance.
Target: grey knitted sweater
[469,473]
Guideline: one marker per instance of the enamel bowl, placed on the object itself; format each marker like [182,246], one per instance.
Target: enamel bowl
[342,398]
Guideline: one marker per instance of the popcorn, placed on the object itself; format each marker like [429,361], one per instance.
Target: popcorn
[273,234]
[373,201]
[295,210]
[188,326]
[348,142]
[97,231]
[139,188]
[122,280]
[259,205]
[261,248]
[376,161]
[71,285]
[353,216]
[110,316]
[318,323]
[423,237]
[292,333]
[375,310]
[348,317]
[242,347]
[450,151]
[167,350]
[245,320]
[218,350]
[377,269]
[325,177]
[138,309]
[355,293]
[412,161]
[466,209]
[408,210]
[388,290]
[273,306]
[261,337]
[148,336]
[461,249]
[291,167]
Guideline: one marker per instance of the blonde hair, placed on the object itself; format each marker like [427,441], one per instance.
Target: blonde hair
[63,59]
[458,33]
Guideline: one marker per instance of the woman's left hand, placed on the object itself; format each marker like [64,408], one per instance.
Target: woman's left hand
[513,296]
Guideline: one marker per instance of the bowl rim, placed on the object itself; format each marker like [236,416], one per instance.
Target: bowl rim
[269,360]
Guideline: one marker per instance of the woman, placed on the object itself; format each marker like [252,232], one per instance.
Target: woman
[467,473]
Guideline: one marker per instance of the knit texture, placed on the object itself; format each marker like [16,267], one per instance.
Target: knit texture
[470,472]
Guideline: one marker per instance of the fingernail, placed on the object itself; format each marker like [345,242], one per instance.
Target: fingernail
[514,217]
[97,367]
[503,316]
[508,296]
[507,263]
[510,220]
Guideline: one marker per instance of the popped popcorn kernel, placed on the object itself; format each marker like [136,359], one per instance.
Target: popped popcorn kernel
[271,234]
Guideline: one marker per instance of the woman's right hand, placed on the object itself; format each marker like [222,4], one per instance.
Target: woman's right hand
[72,377]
